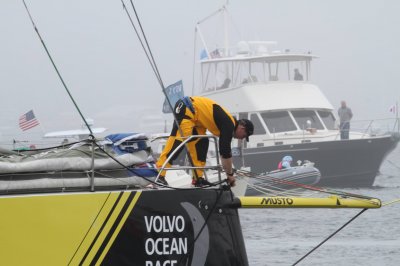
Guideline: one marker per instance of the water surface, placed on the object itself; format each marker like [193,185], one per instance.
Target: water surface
[282,236]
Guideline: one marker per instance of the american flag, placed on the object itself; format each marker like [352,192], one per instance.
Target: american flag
[28,121]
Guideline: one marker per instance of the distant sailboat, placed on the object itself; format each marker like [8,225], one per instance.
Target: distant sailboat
[80,134]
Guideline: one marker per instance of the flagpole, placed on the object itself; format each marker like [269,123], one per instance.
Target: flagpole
[397,117]
[43,131]
[41,127]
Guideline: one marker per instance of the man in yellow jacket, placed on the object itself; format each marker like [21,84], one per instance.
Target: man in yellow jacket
[195,115]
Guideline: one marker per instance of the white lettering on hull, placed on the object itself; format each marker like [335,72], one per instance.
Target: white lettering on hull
[165,245]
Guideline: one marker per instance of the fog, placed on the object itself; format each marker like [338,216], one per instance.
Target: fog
[101,60]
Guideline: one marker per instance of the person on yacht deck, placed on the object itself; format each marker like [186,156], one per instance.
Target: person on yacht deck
[297,75]
[195,116]
[345,115]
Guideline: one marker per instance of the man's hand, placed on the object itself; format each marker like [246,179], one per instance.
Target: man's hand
[231,180]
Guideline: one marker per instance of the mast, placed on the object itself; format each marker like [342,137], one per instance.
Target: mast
[226,30]
[226,39]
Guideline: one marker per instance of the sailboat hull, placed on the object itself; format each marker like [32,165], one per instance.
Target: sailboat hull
[157,227]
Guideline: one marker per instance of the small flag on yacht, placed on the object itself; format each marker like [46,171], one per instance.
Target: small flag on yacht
[174,92]
[392,109]
[28,121]
[215,54]
[203,54]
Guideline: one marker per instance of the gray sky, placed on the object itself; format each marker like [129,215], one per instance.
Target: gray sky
[100,59]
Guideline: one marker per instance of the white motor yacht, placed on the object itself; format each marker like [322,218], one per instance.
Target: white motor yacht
[290,113]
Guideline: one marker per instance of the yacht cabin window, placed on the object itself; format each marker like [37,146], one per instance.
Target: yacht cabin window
[328,118]
[278,121]
[258,126]
[216,76]
[302,116]
[242,143]
[243,115]
[221,74]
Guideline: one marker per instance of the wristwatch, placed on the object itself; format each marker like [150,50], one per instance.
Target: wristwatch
[231,174]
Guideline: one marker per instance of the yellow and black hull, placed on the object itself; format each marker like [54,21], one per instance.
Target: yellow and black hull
[162,227]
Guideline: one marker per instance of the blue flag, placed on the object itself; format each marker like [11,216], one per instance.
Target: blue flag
[174,93]
[203,54]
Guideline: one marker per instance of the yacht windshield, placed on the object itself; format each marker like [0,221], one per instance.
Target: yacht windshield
[328,119]
[258,126]
[302,116]
[278,121]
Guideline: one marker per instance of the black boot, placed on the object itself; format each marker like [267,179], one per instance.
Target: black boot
[201,182]
[161,180]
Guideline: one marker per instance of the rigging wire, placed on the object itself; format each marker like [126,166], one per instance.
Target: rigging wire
[393,164]
[191,245]
[295,184]
[149,180]
[390,202]
[152,64]
[274,191]
[329,237]
[177,124]
[92,138]
[148,47]
[194,59]
[119,179]
[158,76]
[56,69]
[152,61]
[211,15]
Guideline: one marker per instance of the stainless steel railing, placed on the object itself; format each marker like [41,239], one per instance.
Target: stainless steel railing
[184,142]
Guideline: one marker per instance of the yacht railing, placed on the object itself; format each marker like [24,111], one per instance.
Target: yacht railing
[178,149]
[374,127]
[91,179]
[358,129]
